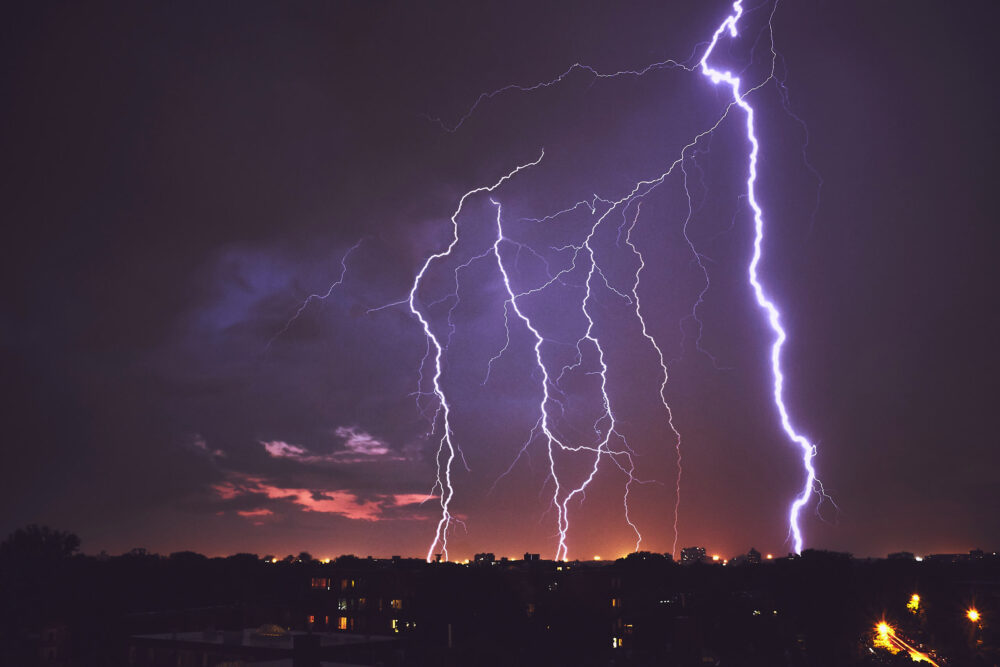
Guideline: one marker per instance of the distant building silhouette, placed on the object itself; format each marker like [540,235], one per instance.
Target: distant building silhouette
[692,555]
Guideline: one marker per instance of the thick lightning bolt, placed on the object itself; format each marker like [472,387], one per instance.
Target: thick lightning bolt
[773,315]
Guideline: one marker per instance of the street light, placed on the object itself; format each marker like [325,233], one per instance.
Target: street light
[973,615]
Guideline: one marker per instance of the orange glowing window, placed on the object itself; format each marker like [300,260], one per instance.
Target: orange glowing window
[342,623]
[615,602]
[396,604]
[312,620]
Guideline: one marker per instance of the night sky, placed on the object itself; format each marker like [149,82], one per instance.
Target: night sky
[179,177]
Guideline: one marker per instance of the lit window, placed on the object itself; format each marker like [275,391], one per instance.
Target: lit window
[320,583]
[342,604]
[342,623]
[312,620]
[615,602]
[396,604]
[395,625]
[616,642]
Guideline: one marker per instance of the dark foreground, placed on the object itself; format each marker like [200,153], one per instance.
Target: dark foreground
[61,609]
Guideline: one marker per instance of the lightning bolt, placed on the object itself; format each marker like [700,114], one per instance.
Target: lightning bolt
[314,297]
[610,444]
[770,309]
[560,499]
[446,450]
[665,375]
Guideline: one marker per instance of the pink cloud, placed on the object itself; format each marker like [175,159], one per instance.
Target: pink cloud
[340,502]
[359,447]
[283,450]
[343,503]
[400,499]
[226,490]
[359,442]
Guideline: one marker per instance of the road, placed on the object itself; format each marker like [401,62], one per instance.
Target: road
[887,637]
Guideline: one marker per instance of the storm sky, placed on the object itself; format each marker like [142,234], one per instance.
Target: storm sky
[180,177]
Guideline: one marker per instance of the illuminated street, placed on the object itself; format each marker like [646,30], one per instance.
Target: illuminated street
[889,638]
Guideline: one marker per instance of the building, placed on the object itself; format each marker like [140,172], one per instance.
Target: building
[692,555]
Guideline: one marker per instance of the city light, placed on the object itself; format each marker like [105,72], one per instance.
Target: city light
[914,603]
[886,638]
[770,556]
[973,615]
[883,632]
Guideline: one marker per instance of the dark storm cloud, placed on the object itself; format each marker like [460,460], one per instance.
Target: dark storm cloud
[179,178]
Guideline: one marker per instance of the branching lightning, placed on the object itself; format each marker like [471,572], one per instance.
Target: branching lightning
[446,451]
[608,443]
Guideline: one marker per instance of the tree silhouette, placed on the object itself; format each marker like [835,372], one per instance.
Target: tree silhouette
[38,543]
